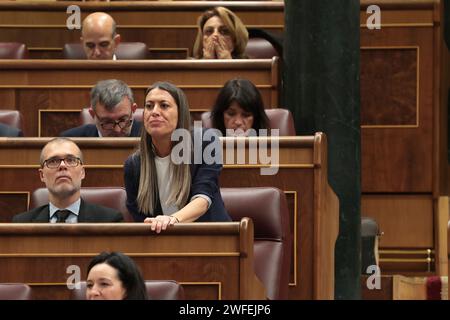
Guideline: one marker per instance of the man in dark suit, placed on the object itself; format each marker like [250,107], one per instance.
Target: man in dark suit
[62,171]
[8,131]
[112,108]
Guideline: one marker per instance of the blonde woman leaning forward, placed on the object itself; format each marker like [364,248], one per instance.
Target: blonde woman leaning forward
[161,190]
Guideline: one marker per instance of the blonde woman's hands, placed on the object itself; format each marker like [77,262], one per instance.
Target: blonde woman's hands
[209,50]
[217,47]
[222,47]
[161,222]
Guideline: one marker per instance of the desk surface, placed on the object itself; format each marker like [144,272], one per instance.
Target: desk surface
[211,260]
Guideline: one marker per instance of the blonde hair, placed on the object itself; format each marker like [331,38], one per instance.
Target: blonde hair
[238,31]
[181,173]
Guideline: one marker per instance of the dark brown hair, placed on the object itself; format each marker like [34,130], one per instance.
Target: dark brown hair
[247,96]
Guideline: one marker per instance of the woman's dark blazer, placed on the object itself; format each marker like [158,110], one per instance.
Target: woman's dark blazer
[205,180]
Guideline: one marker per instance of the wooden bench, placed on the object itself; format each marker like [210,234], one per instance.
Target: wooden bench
[51,93]
[302,175]
[211,260]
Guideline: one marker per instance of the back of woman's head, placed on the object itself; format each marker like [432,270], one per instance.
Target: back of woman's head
[127,272]
[235,26]
[245,93]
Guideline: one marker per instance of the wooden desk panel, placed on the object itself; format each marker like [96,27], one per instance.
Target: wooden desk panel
[395,287]
[404,93]
[302,175]
[33,85]
[218,255]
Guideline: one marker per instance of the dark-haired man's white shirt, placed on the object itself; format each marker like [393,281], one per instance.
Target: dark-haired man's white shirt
[74,209]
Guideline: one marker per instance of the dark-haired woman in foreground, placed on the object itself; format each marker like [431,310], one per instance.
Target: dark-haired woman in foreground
[114,276]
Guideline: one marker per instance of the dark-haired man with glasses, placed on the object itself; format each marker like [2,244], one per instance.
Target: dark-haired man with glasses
[112,109]
[62,171]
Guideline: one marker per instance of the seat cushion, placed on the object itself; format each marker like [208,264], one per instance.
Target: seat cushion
[267,208]
[260,48]
[15,291]
[12,118]
[13,50]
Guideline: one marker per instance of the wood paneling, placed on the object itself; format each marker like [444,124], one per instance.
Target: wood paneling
[302,174]
[386,144]
[217,253]
[389,87]
[53,122]
[404,93]
[12,203]
[395,287]
[410,216]
[33,85]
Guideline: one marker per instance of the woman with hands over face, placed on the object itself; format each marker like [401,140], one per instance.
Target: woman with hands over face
[221,35]
[161,189]
[238,109]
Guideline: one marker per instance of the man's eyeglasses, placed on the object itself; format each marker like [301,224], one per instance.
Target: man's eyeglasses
[54,163]
[111,124]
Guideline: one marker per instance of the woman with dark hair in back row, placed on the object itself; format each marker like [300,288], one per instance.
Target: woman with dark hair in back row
[239,108]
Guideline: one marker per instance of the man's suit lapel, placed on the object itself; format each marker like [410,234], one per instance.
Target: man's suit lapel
[43,215]
[93,131]
[82,214]
[136,129]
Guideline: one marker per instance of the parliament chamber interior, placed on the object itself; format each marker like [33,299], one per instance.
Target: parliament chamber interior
[282,241]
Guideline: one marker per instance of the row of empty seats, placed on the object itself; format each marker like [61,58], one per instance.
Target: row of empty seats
[257,48]
[156,289]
